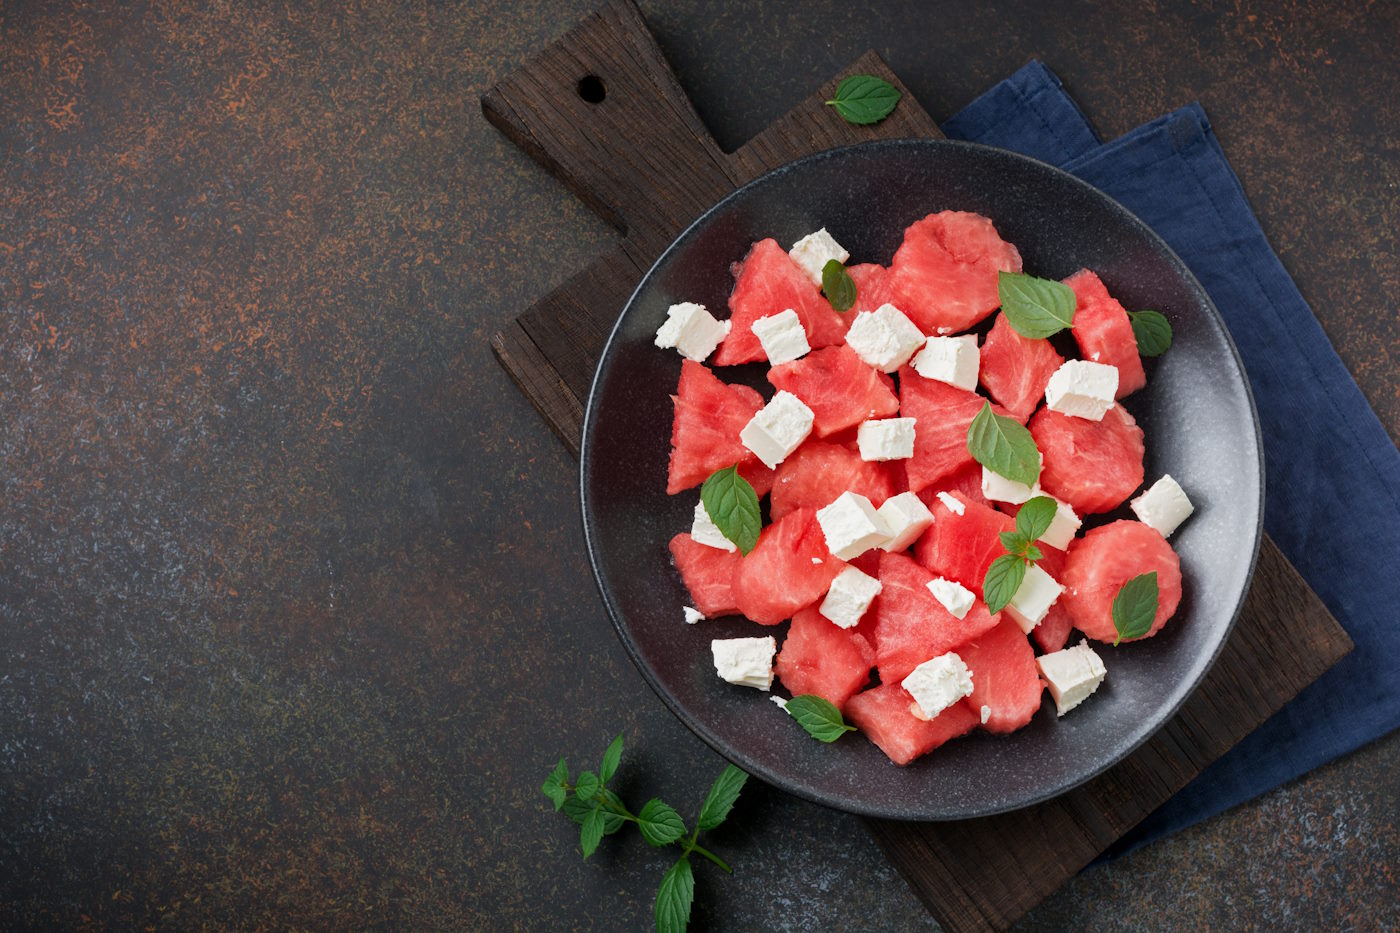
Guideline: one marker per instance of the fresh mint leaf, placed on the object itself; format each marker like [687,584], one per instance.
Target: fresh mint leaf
[1002,580]
[1135,607]
[1034,518]
[839,287]
[1032,553]
[674,897]
[864,99]
[733,507]
[1035,307]
[554,787]
[1152,331]
[592,831]
[660,824]
[819,717]
[586,787]
[610,759]
[1004,446]
[1013,541]
[578,810]
[720,800]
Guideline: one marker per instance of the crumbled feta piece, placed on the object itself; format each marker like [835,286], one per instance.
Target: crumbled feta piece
[814,251]
[1071,675]
[884,338]
[1063,527]
[886,439]
[937,684]
[954,360]
[1164,506]
[1082,388]
[955,597]
[693,615]
[691,331]
[951,503]
[816,560]
[782,336]
[1033,599]
[986,714]
[777,428]
[1000,489]
[747,662]
[780,702]
[906,516]
[852,526]
[850,596]
[704,530]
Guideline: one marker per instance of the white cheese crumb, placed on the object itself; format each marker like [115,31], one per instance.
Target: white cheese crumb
[852,526]
[937,684]
[691,330]
[777,428]
[814,251]
[850,595]
[886,439]
[1071,674]
[907,517]
[955,597]
[951,504]
[1082,388]
[746,662]
[782,337]
[693,615]
[780,702]
[1163,507]
[954,360]
[986,714]
[704,530]
[884,338]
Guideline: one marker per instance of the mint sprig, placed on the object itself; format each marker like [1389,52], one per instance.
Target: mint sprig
[1004,446]
[599,812]
[1152,331]
[819,716]
[864,99]
[1135,607]
[1006,574]
[1035,307]
[838,286]
[732,505]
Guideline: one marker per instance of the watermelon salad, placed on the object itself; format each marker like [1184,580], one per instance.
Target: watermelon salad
[929,498]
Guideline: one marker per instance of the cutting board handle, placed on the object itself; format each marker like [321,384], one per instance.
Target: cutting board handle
[601,109]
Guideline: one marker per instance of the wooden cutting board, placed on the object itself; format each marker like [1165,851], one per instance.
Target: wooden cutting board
[601,109]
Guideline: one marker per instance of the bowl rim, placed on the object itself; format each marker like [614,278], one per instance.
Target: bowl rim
[737,755]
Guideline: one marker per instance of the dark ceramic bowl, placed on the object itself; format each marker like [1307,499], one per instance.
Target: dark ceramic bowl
[1196,411]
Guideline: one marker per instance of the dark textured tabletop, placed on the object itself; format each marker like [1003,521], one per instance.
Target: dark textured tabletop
[294,612]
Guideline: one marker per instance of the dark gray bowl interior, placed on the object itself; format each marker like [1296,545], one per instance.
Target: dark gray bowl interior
[1196,411]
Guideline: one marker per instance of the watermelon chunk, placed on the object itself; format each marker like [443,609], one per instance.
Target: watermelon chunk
[966,480]
[911,626]
[942,415]
[882,713]
[1098,565]
[838,386]
[789,569]
[1091,465]
[872,286]
[708,574]
[709,414]
[944,274]
[817,473]
[1015,369]
[1104,332]
[768,282]
[962,547]
[1053,631]
[822,658]
[1004,677]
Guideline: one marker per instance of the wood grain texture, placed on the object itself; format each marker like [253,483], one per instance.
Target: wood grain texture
[972,875]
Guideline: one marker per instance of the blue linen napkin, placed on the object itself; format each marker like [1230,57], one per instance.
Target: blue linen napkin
[1324,449]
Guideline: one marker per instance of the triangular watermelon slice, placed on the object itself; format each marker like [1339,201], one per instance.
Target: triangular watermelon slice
[709,415]
[838,386]
[789,569]
[944,274]
[768,282]
[822,658]
[1015,369]
[942,415]
[1004,677]
[817,473]
[708,574]
[962,547]
[882,713]
[1104,332]
[911,626]
[1092,466]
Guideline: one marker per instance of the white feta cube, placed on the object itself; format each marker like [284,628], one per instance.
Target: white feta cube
[937,684]
[850,596]
[952,503]
[782,336]
[955,597]
[691,330]
[1071,675]
[693,615]
[1082,388]
[1033,599]
[1063,527]
[907,517]
[954,360]
[704,530]
[814,251]
[1000,489]
[852,526]
[884,338]
[1164,506]
[747,662]
[777,428]
[886,439]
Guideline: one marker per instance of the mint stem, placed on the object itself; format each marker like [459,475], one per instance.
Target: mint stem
[692,847]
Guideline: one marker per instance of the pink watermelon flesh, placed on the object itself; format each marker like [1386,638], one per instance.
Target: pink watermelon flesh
[708,574]
[705,432]
[1091,465]
[962,547]
[838,386]
[1004,677]
[882,713]
[966,480]
[1103,331]
[768,282]
[778,577]
[911,626]
[820,657]
[872,286]
[1015,369]
[817,473]
[942,415]
[944,274]
[1103,560]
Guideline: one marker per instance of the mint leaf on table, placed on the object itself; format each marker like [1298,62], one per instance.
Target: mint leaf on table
[1035,516]
[610,759]
[660,824]
[1002,580]
[720,800]
[674,897]
[838,286]
[821,718]
[1135,607]
[555,785]
[592,832]
[587,786]
[1004,446]
[578,810]
[733,506]
[864,99]
[1035,307]
[1152,331]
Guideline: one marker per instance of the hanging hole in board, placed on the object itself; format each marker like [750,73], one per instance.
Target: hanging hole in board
[591,89]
